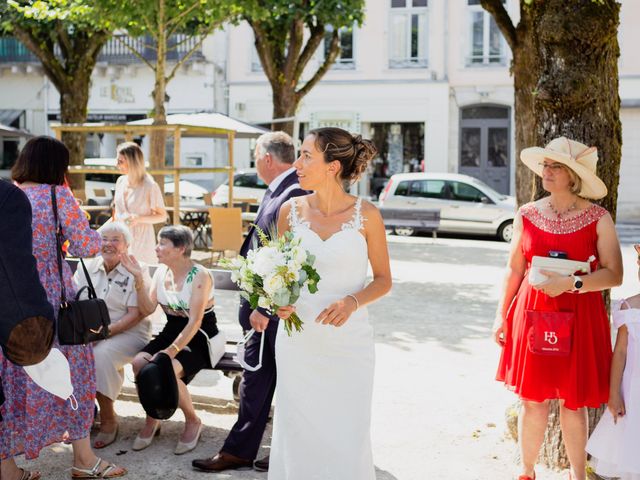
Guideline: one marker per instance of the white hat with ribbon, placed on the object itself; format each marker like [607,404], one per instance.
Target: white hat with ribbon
[578,157]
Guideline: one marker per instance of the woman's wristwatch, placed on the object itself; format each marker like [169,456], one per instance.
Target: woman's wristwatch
[577,283]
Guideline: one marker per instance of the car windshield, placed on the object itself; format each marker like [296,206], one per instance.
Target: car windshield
[486,188]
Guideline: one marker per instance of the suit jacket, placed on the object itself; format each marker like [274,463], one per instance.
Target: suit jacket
[26,316]
[267,220]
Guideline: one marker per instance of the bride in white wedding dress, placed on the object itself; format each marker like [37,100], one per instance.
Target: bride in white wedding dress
[321,428]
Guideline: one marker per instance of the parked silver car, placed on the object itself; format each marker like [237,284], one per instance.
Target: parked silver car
[246,185]
[466,204]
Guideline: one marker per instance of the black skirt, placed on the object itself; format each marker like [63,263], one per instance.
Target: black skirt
[195,356]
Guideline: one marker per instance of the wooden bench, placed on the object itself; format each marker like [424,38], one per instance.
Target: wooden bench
[423,220]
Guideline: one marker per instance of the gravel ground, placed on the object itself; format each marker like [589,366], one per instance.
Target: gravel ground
[437,413]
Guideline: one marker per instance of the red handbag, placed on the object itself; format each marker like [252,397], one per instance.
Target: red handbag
[549,333]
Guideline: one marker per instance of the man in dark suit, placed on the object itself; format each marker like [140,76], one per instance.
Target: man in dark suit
[26,319]
[274,154]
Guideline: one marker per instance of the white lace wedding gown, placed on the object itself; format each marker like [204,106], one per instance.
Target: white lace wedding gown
[321,426]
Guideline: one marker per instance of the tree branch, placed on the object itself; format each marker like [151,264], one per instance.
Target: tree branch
[265,54]
[176,20]
[180,62]
[50,63]
[135,52]
[296,34]
[501,16]
[63,40]
[314,41]
[330,58]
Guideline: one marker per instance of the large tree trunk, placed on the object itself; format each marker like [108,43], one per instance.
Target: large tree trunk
[566,84]
[285,104]
[73,109]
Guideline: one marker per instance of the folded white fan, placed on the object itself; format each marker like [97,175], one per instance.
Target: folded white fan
[558,265]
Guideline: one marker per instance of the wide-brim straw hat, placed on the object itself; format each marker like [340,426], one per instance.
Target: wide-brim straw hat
[582,160]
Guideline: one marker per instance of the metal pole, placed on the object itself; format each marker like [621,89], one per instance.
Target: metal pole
[230,138]
[176,176]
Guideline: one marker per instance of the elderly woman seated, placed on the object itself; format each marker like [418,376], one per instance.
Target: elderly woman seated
[129,331]
[184,289]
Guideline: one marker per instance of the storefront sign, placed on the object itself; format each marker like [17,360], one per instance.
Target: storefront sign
[349,121]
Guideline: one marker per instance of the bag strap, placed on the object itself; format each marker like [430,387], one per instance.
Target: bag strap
[91,291]
[58,234]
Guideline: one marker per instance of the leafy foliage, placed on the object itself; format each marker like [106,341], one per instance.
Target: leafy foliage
[284,50]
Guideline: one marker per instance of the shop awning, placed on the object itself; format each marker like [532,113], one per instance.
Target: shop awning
[7,117]
[7,131]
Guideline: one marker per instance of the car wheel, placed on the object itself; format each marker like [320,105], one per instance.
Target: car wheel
[505,232]
[404,231]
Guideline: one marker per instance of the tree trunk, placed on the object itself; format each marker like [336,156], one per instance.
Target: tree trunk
[73,109]
[566,82]
[285,104]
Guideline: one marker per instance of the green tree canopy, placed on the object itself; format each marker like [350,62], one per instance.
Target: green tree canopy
[66,36]
[287,35]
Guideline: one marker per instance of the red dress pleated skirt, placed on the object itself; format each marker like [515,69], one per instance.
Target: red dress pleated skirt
[581,379]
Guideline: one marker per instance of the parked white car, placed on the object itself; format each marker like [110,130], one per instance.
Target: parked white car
[466,204]
[246,184]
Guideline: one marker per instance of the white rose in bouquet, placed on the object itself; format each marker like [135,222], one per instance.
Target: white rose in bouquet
[266,260]
[273,275]
[273,283]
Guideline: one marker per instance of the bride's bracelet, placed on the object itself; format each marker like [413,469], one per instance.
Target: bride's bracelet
[355,300]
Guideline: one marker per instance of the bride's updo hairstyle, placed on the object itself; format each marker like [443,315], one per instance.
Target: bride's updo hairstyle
[352,151]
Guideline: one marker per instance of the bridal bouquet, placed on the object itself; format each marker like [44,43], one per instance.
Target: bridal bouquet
[273,275]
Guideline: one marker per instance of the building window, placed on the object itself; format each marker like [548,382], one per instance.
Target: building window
[486,45]
[256,64]
[346,59]
[408,34]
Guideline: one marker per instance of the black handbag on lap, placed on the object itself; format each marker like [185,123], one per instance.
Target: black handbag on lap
[79,321]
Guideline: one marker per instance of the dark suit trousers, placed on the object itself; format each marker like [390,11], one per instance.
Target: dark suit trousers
[256,394]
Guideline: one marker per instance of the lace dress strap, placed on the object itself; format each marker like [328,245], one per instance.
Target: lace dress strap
[357,221]
[294,219]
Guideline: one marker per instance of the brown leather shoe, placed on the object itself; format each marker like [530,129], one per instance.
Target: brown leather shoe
[261,465]
[222,461]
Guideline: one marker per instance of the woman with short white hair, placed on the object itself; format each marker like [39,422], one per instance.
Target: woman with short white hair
[129,331]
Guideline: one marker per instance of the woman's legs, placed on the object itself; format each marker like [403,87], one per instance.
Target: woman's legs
[532,425]
[85,458]
[10,471]
[575,432]
[140,360]
[192,421]
[108,417]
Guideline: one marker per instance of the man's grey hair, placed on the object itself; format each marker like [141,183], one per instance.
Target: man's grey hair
[116,228]
[179,236]
[279,145]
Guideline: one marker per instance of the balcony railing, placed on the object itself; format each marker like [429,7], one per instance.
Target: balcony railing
[114,52]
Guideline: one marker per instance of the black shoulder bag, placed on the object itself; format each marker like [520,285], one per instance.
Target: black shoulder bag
[79,321]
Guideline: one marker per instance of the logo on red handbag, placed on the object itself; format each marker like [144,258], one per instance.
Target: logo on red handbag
[551,338]
[549,333]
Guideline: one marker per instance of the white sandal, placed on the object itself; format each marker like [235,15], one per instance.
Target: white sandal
[96,472]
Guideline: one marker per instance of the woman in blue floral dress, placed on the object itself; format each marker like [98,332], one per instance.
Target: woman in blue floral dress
[32,417]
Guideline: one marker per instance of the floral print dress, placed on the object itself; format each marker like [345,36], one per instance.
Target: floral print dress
[32,417]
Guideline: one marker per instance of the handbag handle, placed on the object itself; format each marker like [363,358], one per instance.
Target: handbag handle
[91,290]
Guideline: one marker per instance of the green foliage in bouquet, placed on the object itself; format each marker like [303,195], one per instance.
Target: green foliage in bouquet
[273,275]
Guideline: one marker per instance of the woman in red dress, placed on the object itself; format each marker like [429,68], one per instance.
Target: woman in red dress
[564,221]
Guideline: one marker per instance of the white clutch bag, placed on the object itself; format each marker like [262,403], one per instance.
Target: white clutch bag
[558,265]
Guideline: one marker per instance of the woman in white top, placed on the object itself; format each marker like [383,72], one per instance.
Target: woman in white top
[138,202]
[129,330]
[184,290]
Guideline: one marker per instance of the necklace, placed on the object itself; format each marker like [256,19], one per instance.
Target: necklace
[563,213]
